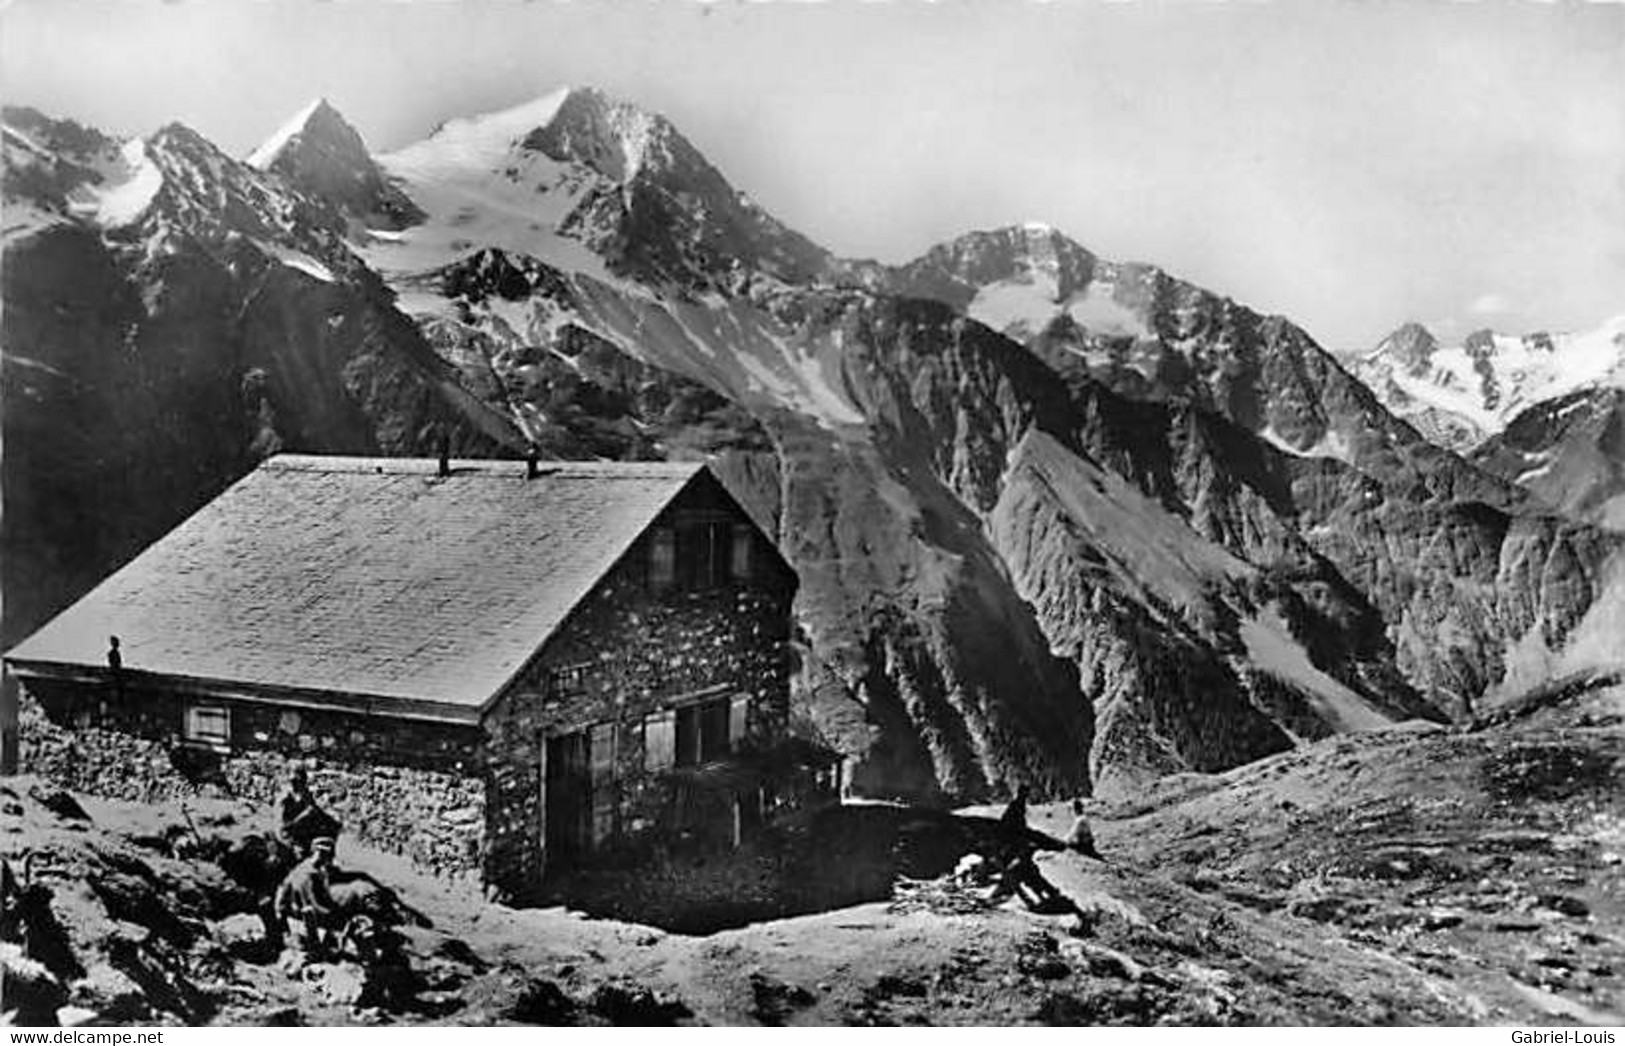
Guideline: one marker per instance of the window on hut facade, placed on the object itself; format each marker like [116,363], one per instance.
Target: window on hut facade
[696,556]
[709,730]
[662,559]
[567,680]
[208,725]
[740,554]
[660,740]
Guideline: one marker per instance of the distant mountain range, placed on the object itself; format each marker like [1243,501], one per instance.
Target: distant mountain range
[1057,519]
[1539,409]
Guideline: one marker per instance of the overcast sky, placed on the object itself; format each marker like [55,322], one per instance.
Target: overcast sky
[1349,165]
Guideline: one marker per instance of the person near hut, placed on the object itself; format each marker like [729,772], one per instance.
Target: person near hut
[303,819]
[115,666]
[304,895]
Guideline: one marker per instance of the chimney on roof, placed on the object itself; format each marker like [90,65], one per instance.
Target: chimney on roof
[445,453]
[531,471]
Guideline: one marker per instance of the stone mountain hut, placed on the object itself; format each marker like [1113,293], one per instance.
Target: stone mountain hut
[521,669]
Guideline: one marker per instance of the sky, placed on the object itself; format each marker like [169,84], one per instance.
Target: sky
[1350,165]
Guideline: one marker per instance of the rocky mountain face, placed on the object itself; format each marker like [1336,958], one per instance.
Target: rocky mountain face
[1057,519]
[1569,452]
[320,154]
[171,316]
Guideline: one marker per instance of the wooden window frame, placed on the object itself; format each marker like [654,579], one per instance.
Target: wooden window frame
[709,729]
[662,559]
[191,734]
[566,681]
[741,552]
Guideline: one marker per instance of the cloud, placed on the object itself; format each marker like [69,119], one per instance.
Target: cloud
[1489,305]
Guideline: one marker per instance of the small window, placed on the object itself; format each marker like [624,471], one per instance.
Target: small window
[567,680]
[209,725]
[702,548]
[662,558]
[706,730]
[740,551]
[660,741]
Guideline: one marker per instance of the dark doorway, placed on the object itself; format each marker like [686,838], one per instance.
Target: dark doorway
[568,807]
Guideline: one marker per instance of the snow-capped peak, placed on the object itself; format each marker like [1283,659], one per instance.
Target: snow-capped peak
[1462,394]
[483,140]
[267,153]
[1411,343]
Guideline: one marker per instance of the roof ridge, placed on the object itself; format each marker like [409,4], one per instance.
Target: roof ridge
[474,467]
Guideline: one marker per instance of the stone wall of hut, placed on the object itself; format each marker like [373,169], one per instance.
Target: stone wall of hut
[412,788]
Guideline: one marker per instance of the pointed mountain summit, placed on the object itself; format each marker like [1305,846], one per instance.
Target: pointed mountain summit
[615,138]
[1411,345]
[320,153]
[1017,276]
[591,185]
[307,120]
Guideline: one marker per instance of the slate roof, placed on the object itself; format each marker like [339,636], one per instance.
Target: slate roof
[371,577]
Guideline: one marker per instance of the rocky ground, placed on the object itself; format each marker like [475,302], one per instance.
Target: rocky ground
[1408,875]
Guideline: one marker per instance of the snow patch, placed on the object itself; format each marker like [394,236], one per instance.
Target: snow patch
[268,151]
[1534,473]
[1097,311]
[298,260]
[128,200]
[1015,306]
[1331,445]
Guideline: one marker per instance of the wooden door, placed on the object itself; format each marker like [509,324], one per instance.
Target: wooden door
[568,802]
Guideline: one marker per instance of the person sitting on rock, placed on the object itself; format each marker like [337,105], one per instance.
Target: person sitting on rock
[304,895]
[1021,878]
[1080,838]
[302,819]
[1015,815]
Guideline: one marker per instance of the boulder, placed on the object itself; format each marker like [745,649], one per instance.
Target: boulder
[111,992]
[32,993]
